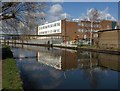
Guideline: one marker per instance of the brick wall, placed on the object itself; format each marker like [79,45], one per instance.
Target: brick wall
[109,39]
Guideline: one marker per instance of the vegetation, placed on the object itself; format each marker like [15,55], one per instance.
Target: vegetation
[21,16]
[87,46]
[11,77]
[10,73]
[6,52]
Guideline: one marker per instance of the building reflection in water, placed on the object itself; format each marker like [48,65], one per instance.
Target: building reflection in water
[93,64]
[109,61]
[66,60]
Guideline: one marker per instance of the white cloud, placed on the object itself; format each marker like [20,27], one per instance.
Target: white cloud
[56,12]
[57,8]
[105,15]
[102,15]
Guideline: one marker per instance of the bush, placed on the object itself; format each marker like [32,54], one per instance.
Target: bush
[6,52]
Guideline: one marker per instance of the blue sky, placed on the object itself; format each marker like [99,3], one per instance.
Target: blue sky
[76,9]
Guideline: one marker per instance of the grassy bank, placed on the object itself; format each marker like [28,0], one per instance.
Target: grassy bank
[11,78]
[10,73]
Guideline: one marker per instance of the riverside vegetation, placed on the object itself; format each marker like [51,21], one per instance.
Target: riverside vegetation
[10,73]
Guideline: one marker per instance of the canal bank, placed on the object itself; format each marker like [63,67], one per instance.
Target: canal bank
[88,48]
[74,47]
[10,73]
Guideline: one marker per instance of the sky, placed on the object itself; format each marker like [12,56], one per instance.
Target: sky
[77,9]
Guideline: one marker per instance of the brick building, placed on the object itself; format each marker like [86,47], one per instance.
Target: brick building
[65,30]
[61,30]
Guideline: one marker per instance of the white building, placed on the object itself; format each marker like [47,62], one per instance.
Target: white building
[50,28]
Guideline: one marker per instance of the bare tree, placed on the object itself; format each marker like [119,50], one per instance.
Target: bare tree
[13,13]
[92,16]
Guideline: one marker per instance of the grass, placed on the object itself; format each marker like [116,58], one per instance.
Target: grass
[88,46]
[10,76]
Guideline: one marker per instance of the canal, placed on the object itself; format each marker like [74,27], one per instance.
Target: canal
[54,68]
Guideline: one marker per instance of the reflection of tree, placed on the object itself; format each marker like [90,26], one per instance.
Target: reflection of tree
[92,76]
[89,68]
[94,79]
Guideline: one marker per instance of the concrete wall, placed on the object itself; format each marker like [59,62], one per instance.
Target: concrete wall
[44,41]
[109,39]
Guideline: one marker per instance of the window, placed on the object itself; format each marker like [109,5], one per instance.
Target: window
[48,31]
[79,24]
[79,30]
[58,30]
[51,25]
[54,24]
[58,24]
[82,30]
[54,30]
[48,26]
[108,26]
[82,24]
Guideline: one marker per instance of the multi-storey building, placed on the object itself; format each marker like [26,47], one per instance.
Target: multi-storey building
[61,31]
[65,30]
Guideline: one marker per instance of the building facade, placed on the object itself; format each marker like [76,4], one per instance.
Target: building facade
[109,39]
[65,30]
[61,30]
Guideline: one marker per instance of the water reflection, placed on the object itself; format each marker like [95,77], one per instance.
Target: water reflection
[67,69]
[65,60]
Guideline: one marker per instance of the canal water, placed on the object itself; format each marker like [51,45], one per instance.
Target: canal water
[54,68]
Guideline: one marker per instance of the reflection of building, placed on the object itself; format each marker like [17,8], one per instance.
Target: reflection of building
[66,60]
[50,60]
[109,61]
[69,60]
[62,60]
[87,59]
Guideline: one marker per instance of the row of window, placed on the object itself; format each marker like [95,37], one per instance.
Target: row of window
[49,26]
[83,30]
[50,31]
[89,25]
